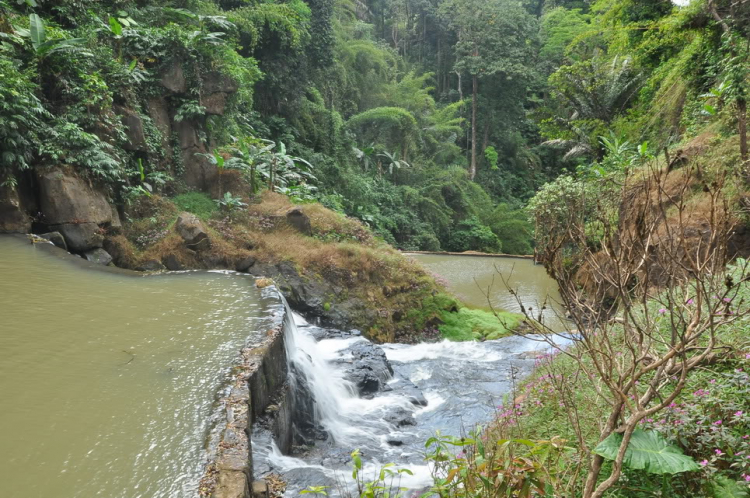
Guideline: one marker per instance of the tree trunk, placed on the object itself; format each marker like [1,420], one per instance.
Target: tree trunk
[474,88]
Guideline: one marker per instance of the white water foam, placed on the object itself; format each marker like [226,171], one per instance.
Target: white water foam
[347,418]
[463,351]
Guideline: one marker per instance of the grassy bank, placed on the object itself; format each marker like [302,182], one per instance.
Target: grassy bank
[350,271]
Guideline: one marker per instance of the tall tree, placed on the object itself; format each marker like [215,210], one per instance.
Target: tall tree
[495,38]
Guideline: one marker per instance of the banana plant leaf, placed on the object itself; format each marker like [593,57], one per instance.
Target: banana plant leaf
[648,451]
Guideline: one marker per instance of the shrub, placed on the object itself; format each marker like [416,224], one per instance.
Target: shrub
[469,324]
[471,235]
[197,203]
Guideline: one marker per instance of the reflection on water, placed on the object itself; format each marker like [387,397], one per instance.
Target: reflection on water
[473,278]
[109,381]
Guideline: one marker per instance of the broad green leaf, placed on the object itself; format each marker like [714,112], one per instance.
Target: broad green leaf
[648,451]
[723,487]
[37,30]
[709,109]
[115,26]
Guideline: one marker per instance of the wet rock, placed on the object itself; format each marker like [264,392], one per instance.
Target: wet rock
[355,332]
[299,221]
[245,264]
[173,78]
[192,231]
[215,261]
[56,238]
[80,237]
[172,263]
[13,219]
[394,442]
[98,256]
[368,368]
[133,129]
[151,265]
[400,417]
[409,390]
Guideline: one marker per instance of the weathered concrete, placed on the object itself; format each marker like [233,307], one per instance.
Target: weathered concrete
[259,389]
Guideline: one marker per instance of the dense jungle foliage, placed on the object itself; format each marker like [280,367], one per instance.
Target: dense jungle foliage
[433,121]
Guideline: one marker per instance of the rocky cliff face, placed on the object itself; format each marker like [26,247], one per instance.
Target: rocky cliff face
[59,199]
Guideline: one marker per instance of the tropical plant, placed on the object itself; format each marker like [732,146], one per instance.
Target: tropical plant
[647,451]
[44,47]
[229,202]
[391,162]
[489,468]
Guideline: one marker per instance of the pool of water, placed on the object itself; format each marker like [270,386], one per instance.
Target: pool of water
[481,280]
[110,380]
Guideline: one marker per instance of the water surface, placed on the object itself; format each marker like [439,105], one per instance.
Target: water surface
[109,381]
[475,278]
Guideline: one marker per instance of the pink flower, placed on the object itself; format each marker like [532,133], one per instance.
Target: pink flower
[718,452]
[746,477]
[718,422]
[738,413]
[712,381]
[690,301]
[662,311]
[727,300]
[747,356]
[704,463]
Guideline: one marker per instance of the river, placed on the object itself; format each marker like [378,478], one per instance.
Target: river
[110,379]
[474,279]
[460,385]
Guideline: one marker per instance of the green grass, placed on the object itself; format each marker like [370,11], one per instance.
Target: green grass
[471,324]
[197,203]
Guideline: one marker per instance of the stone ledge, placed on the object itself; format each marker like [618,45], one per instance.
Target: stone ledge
[258,379]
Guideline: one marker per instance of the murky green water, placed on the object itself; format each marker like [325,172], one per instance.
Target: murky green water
[474,278]
[109,381]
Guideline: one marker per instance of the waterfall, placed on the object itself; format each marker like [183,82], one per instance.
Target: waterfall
[325,397]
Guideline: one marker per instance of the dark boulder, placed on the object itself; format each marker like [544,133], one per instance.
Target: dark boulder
[173,263]
[299,221]
[192,231]
[98,256]
[244,264]
[67,199]
[366,366]
[56,238]
[409,390]
[80,237]
[400,417]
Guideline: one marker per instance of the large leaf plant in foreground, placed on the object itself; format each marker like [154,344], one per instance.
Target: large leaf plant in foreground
[647,451]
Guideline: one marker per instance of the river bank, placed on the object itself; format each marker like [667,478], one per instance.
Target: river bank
[328,266]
